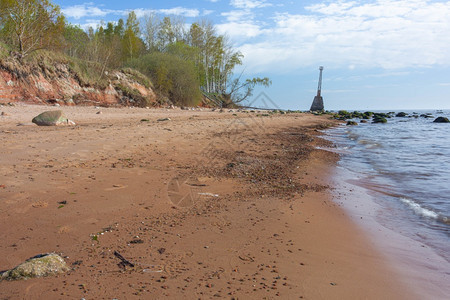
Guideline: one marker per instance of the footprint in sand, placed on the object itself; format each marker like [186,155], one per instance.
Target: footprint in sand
[183,191]
[116,187]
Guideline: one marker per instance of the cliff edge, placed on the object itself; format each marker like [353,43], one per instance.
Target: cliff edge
[49,78]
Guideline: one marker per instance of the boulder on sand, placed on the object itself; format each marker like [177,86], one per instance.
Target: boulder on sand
[52,118]
[37,266]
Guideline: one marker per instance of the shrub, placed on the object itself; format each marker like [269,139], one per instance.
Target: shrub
[172,77]
[4,50]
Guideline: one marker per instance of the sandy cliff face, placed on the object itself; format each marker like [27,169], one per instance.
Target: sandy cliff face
[59,84]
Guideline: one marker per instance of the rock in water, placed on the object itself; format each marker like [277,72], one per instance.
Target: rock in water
[441,120]
[52,118]
[38,266]
[379,119]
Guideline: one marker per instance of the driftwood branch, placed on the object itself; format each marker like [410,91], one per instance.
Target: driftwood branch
[124,262]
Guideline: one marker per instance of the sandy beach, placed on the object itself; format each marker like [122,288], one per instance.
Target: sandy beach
[204,204]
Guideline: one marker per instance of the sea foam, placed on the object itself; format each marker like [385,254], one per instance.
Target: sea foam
[419,209]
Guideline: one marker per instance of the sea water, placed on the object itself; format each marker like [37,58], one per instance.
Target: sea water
[404,165]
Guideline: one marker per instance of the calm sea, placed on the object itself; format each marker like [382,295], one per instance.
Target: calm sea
[405,166]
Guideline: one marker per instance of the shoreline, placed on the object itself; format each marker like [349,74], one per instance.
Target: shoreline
[206,204]
[419,265]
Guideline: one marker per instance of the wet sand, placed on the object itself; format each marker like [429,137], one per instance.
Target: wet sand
[204,205]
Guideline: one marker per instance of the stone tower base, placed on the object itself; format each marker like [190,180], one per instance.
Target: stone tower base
[317,104]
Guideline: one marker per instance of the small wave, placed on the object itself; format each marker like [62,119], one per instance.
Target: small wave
[353,136]
[374,146]
[338,150]
[365,142]
[369,144]
[420,210]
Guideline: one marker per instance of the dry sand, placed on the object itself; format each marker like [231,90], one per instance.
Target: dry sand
[205,205]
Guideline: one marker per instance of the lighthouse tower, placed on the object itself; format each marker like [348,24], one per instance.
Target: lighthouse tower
[317,104]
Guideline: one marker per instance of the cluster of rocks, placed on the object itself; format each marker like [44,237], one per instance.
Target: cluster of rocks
[7,104]
[381,117]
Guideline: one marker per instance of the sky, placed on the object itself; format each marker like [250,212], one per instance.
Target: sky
[376,54]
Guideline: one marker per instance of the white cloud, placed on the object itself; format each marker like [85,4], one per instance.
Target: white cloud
[85,10]
[89,10]
[384,33]
[382,74]
[376,9]
[240,25]
[238,16]
[90,23]
[239,30]
[207,12]
[249,4]
[180,11]
[140,12]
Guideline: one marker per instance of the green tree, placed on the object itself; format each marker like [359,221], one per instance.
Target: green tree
[183,51]
[132,44]
[109,31]
[133,23]
[114,44]
[163,81]
[76,41]
[150,30]
[241,90]
[166,35]
[30,25]
[119,28]
[173,77]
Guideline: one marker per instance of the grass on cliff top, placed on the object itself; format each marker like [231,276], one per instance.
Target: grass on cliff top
[4,50]
[138,77]
[87,73]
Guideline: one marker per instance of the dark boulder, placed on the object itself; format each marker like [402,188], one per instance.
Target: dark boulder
[427,116]
[379,120]
[382,115]
[401,115]
[441,120]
